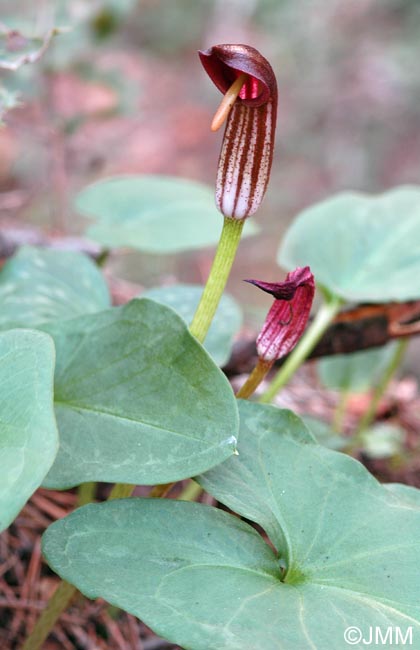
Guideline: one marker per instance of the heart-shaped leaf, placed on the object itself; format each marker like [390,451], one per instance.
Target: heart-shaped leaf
[348,549]
[184,568]
[38,285]
[28,433]
[184,298]
[137,399]
[154,214]
[362,248]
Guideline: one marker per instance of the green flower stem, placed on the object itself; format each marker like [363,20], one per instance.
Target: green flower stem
[254,379]
[312,335]
[57,604]
[219,273]
[369,415]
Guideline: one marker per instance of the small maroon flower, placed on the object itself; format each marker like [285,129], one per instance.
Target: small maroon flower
[288,315]
[250,102]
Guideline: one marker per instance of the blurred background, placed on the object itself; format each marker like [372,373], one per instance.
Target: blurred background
[121,90]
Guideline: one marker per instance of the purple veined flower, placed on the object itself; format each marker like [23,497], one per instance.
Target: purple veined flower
[289,314]
[250,104]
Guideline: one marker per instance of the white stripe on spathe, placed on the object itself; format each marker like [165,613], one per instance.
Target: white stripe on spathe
[236,195]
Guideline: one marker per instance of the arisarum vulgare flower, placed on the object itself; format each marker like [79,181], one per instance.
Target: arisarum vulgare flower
[285,322]
[287,318]
[250,104]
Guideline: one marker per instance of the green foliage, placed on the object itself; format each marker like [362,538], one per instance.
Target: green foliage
[356,372]
[38,285]
[360,247]
[28,433]
[137,399]
[154,214]
[347,549]
[184,298]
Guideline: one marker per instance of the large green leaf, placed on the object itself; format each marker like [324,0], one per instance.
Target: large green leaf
[137,399]
[184,298]
[362,248]
[28,433]
[356,372]
[184,568]
[348,549]
[155,214]
[38,285]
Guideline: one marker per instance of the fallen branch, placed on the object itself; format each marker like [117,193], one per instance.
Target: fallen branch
[361,328]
